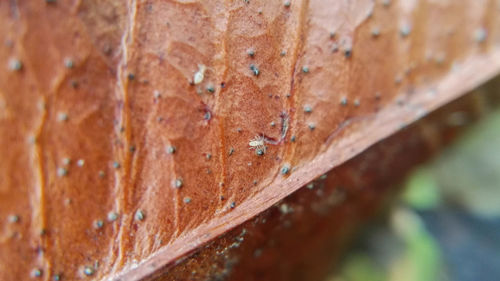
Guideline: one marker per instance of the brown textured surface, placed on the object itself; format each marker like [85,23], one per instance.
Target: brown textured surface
[302,236]
[102,109]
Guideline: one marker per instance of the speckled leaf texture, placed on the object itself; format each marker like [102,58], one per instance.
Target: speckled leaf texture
[133,132]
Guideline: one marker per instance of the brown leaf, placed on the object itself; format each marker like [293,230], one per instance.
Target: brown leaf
[131,132]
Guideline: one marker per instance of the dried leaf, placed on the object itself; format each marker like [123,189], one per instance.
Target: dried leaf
[127,129]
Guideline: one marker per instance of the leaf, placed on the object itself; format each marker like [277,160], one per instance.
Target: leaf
[126,128]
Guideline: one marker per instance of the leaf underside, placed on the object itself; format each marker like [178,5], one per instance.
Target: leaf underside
[126,126]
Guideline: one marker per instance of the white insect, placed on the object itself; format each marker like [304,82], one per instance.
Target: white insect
[257,143]
[200,74]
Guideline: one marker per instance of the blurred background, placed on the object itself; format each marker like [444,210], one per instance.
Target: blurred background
[446,222]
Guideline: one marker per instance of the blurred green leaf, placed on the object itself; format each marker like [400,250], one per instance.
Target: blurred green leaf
[421,191]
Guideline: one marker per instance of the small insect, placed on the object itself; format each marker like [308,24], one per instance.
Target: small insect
[405,30]
[89,271]
[210,88]
[66,161]
[480,35]
[285,169]
[251,52]
[62,116]
[61,172]
[112,216]
[343,101]
[101,174]
[69,63]
[258,143]
[36,272]
[15,64]
[139,215]
[171,150]
[98,224]
[13,218]
[200,74]
[207,116]
[347,52]
[255,70]
[156,94]
[177,183]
